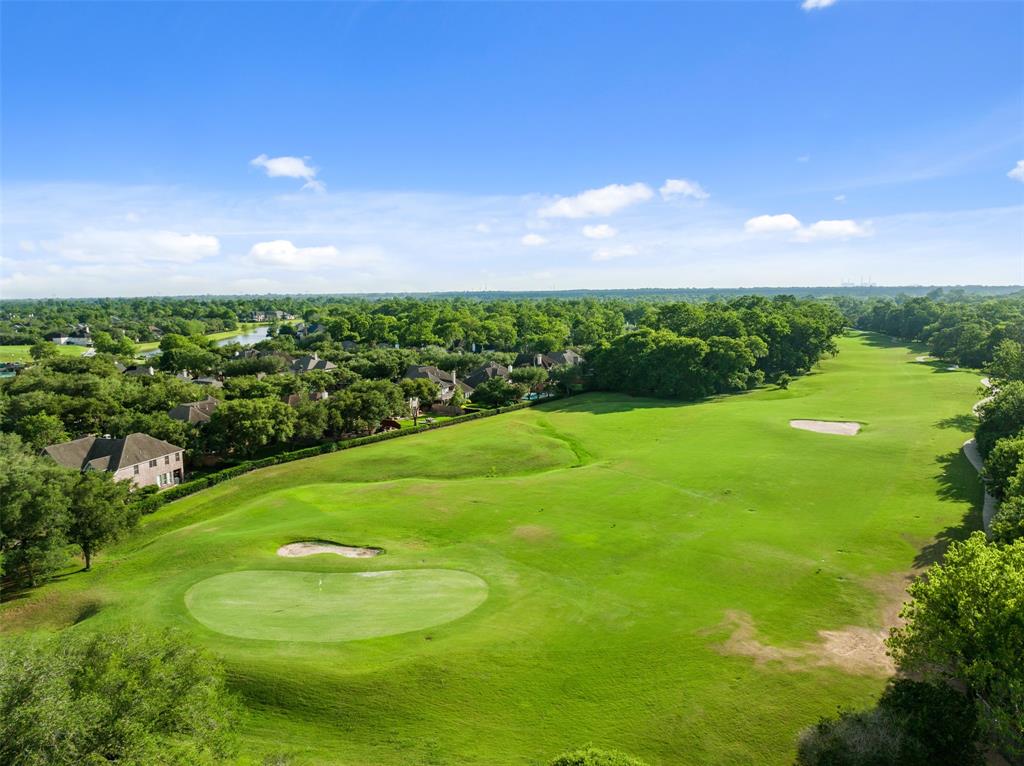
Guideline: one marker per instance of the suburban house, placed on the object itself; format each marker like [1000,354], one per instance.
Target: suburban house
[141,371]
[194,412]
[268,316]
[208,381]
[60,338]
[80,337]
[549,360]
[143,459]
[447,382]
[292,400]
[314,362]
[487,372]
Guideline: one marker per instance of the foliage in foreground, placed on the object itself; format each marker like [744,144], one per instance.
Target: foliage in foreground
[914,724]
[591,756]
[124,696]
[965,623]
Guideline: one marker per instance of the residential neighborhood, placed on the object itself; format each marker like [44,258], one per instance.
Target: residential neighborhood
[143,459]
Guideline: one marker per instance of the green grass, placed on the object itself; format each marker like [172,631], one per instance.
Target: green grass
[616,536]
[21,353]
[326,607]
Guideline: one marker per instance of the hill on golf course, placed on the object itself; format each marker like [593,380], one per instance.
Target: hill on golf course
[691,583]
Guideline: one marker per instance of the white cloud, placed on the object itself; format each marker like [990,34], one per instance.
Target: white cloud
[27,246]
[770,224]
[1017,173]
[611,253]
[840,229]
[482,228]
[840,198]
[681,187]
[814,5]
[533,240]
[284,253]
[289,167]
[805,157]
[599,231]
[594,202]
[112,246]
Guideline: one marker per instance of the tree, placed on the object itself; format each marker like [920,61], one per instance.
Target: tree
[246,425]
[34,517]
[1008,523]
[41,430]
[591,756]
[566,376]
[1008,361]
[964,624]
[913,724]
[1002,464]
[115,696]
[363,405]
[99,512]
[497,392]
[43,350]
[310,419]
[1001,417]
[531,377]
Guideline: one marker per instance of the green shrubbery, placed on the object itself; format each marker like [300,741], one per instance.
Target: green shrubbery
[591,756]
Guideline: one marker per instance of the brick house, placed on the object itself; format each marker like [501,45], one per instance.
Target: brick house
[143,459]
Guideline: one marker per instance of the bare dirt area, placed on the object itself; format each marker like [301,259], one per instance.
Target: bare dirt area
[854,649]
[836,427]
[295,550]
[531,532]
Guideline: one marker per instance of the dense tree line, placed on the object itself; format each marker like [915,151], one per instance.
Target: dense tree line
[693,350]
[957,327]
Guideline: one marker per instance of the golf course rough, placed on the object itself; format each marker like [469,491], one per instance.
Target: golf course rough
[325,607]
[623,542]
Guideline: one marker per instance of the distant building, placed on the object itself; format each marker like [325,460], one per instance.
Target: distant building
[60,338]
[447,382]
[141,371]
[145,460]
[549,360]
[487,372]
[209,381]
[194,412]
[308,363]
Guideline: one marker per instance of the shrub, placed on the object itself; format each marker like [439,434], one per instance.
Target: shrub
[1008,523]
[591,756]
[121,696]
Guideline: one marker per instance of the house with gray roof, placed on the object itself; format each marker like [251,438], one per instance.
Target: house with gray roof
[141,458]
[314,362]
[194,412]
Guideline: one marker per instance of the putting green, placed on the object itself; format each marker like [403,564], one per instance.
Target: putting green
[326,607]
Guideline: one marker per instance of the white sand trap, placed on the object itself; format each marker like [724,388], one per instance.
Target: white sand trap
[294,550]
[837,427]
[924,358]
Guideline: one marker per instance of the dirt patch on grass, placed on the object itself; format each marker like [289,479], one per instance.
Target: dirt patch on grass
[837,427]
[313,547]
[854,649]
[532,533]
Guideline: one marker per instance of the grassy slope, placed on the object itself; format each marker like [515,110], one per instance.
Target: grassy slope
[613,533]
[21,353]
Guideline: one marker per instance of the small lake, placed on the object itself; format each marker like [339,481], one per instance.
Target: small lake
[247,338]
[250,338]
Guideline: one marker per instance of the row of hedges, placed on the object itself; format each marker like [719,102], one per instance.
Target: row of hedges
[153,502]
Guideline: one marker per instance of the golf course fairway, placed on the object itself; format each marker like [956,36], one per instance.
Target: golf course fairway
[692,583]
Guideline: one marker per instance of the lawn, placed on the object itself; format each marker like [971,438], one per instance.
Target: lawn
[639,574]
[21,353]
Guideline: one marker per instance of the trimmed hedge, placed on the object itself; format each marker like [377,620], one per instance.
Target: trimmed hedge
[155,502]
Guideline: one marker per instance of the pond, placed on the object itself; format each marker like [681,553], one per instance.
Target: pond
[247,338]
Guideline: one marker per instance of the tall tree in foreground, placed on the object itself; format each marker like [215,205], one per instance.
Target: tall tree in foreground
[965,624]
[125,697]
[99,512]
[34,514]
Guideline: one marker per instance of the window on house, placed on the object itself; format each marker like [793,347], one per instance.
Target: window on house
[152,464]
[177,457]
[167,459]
[163,479]
[136,469]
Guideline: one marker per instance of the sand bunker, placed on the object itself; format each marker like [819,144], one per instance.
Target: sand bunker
[838,427]
[294,550]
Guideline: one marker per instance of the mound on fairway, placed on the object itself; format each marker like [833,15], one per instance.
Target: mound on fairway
[327,607]
[837,427]
[313,547]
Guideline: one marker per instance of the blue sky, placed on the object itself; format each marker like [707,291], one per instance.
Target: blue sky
[168,148]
